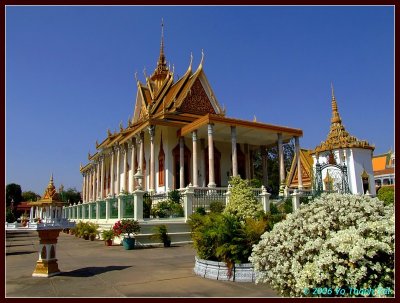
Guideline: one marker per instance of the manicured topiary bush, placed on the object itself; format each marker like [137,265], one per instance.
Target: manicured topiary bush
[335,242]
[386,194]
[242,202]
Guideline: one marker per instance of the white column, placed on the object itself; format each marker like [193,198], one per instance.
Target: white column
[299,171]
[234,152]
[133,164]
[140,140]
[87,186]
[125,183]
[152,165]
[98,189]
[94,182]
[281,164]
[211,175]
[195,159]
[112,174]
[83,187]
[102,178]
[118,189]
[181,162]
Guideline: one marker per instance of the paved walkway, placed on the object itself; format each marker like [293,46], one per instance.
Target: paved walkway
[91,269]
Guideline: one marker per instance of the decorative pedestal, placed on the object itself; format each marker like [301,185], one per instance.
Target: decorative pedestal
[47,265]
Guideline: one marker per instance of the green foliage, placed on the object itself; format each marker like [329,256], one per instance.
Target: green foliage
[167,208]
[13,192]
[30,196]
[161,233]
[107,234]
[242,202]
[86,228]
[71,195]
[255,183]
[200,210]
[386,194]
[273,209]
[224,238]
[10,218]
[175,196]
[217,207]
[273,165]
[146,205]
[288,206]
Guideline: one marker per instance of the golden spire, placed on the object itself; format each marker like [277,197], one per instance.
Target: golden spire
[338,137]
[161,70]
[335,113]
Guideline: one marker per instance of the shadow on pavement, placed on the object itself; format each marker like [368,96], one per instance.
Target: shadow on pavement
[16,253]
[91,271]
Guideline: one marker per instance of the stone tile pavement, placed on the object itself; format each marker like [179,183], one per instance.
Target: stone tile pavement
[91,269]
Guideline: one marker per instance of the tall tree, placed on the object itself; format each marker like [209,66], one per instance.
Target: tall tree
[70,195]
[13,192]
[30,196]
[273,165]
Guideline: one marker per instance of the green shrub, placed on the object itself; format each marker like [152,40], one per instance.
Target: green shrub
[217,207]
[175,196]
[200,210]
[167,208]
[386,194]
[273,209]
[242,202]
[338,241]
[146,205]
[161,233]
[224,238]
[10,218]
[107,234]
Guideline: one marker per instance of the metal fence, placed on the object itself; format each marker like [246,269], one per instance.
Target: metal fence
[128,206]
[163,205]
[204,196]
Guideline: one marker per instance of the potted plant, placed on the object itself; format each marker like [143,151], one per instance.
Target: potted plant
[92,229]
[161,234]
[108,236]
[127,227]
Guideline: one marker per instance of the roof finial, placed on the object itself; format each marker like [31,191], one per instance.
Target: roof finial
[144,72]
[335,112]
[136,78]
[191,59]
[162,36]
[51,178]
[202,58]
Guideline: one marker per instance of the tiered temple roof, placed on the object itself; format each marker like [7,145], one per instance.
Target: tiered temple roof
[338,137]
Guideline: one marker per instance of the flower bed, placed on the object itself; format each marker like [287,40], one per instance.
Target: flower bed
[336,242]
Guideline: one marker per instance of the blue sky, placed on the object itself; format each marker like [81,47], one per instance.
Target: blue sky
[70,73]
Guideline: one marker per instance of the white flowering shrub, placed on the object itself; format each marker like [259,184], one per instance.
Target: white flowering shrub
[242,202]
[337,242]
